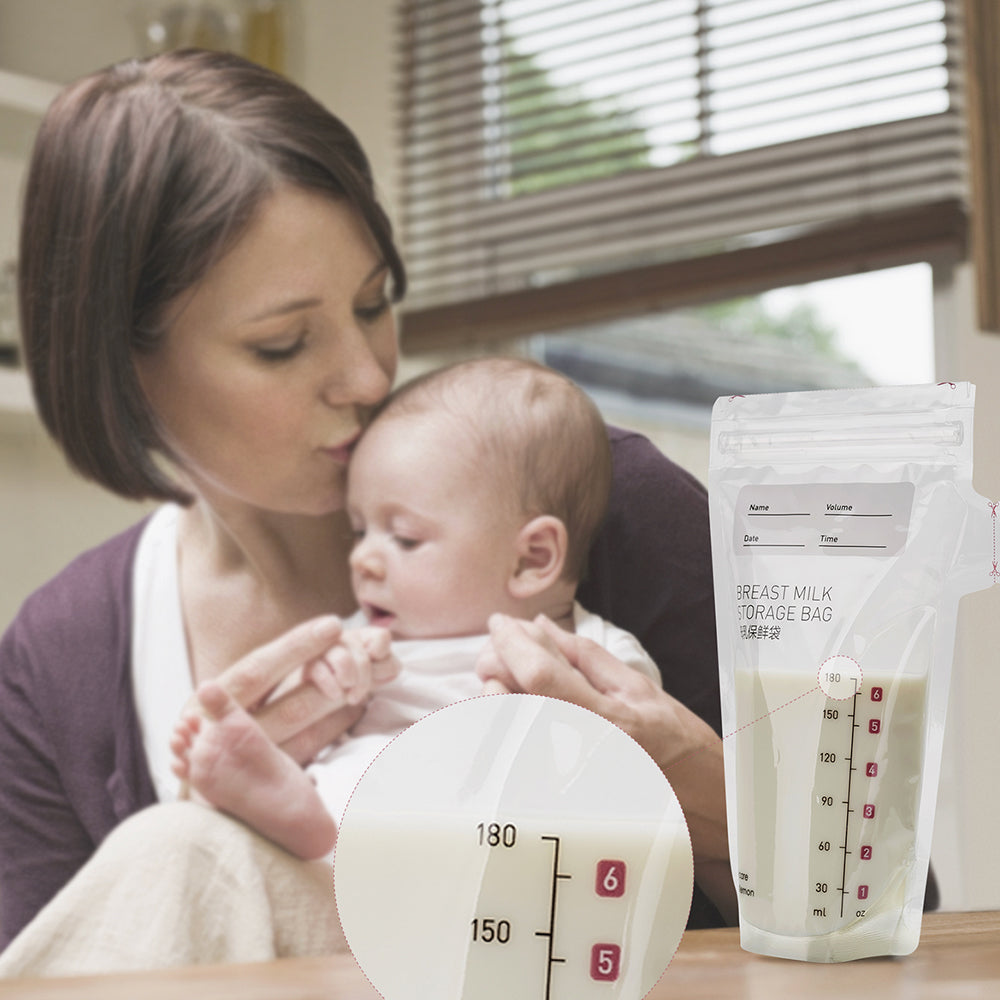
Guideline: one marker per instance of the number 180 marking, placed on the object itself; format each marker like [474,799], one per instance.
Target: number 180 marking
[495,835]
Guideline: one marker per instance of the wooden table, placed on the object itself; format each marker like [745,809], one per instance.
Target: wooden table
[958,958]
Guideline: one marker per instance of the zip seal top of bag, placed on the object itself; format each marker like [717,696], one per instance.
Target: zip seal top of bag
[844,532]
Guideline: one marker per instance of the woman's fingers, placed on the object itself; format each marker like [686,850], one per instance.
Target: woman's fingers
[540,658]
[525,657]
[253,678]
[495,686]
[304,745]
[602,669]
[653,718]
[296,710]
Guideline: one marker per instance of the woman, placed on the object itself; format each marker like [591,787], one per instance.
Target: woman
[206,281]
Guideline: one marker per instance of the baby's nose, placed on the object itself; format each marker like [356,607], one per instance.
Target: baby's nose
[364,558]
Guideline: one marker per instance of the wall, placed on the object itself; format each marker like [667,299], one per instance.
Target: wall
[968,804]
[344,57]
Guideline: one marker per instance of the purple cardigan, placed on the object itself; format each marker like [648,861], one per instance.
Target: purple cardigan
[73,765]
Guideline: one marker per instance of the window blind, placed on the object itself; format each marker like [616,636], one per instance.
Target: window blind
[577,159]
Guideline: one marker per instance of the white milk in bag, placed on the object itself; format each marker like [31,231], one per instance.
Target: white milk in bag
[844,531]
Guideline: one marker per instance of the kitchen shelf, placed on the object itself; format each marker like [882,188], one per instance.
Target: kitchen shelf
[26,93]
[20,95]
[15,393]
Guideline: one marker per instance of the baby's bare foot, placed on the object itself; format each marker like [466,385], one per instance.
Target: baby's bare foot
[232,764]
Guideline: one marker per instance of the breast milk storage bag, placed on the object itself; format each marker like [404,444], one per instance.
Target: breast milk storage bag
[844,531]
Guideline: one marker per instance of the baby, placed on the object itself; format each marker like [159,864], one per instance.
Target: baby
[477,489]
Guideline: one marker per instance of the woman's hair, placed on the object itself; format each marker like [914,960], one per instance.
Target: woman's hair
[535,434]
[143,175]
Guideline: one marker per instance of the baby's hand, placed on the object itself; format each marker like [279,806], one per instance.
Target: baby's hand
[359,662]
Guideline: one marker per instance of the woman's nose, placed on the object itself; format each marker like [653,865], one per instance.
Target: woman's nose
[362,376]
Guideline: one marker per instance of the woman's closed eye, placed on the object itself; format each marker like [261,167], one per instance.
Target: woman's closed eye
[373,311]
[280,351]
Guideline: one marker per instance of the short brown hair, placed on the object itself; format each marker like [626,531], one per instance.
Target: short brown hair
[142,176]
[539,434]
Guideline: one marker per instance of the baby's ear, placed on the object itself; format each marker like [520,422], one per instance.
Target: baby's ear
[541,556]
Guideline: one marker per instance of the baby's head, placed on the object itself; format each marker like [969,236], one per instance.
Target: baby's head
[477,488]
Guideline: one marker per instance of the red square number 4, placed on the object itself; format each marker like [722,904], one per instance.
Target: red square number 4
[605,962]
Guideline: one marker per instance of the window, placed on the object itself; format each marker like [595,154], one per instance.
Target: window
[575,160]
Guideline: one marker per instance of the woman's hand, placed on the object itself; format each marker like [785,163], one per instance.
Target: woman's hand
[309,686]
[538,657]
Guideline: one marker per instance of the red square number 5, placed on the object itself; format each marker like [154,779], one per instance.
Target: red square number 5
[605,962]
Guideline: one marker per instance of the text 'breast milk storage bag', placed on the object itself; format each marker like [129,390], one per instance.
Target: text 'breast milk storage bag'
[844,531]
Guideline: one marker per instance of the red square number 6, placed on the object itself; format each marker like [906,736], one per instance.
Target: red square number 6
[610,878]
[605,962]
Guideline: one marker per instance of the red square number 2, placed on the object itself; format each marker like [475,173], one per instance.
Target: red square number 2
[605,962]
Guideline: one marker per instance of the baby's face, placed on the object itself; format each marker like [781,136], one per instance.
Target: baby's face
[434,544]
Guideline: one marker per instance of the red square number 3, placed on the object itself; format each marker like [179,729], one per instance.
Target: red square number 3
[605,962]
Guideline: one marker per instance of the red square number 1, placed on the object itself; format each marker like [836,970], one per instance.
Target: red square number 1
[605,962]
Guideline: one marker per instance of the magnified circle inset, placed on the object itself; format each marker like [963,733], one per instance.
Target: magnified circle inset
[513,846]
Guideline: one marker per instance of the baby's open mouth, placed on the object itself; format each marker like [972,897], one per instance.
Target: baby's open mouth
[376,615]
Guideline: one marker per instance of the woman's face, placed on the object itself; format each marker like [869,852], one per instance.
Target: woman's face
[270,364]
